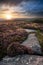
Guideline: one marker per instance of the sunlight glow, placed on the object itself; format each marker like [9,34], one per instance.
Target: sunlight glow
[8,16]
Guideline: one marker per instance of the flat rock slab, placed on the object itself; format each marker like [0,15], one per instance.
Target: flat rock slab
[32,42]
[30,30]
[23,60]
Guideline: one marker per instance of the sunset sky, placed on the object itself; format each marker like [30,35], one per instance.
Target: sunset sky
[21,9]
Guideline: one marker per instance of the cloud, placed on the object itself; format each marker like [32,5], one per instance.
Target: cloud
[34,8]
[26,7]
[15,2]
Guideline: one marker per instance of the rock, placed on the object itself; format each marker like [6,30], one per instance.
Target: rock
[22,60]
[37,49]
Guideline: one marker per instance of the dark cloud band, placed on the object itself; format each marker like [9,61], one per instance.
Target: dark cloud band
[12,1]
[15,1]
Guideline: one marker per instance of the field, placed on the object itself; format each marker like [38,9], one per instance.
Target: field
[12,34]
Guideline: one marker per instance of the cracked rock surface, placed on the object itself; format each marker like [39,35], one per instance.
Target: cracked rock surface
[23,60]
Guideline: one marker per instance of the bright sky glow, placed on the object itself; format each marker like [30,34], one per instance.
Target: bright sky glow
[22,9]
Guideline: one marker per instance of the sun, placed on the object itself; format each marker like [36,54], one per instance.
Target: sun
[8,16]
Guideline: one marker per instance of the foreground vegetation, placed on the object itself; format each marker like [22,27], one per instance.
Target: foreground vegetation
[40,38]
[12,34]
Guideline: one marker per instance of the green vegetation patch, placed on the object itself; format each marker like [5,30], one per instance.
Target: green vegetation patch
[40,38]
